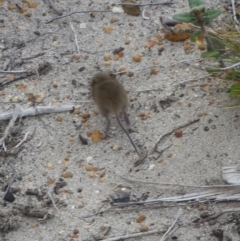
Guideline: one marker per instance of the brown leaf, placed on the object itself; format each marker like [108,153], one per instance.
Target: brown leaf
[131,9]
[181,32]
[140,218]
[143,228]
[96,136]
[1,3]
[107,28]
[22,86]
[67,175]
[137,58]
[154,71]
[150,43]
[11,6]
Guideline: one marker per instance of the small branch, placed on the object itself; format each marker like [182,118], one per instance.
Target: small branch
[52,200]
[234,12]
[14,71]
[134,235]
[191,80]
[230,67]
[34,56]
[23,140]
[170,132]
[75,37]
[69,14]
[13,118]
[52,5]
[146,4]
[33,111]
[143,14]
[160,184]
[213,217]
[170,229]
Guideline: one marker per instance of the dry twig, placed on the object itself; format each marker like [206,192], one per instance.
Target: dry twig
[85,11]
[13,117]
[75,37]
[172,131]
[33,111]
[170,229]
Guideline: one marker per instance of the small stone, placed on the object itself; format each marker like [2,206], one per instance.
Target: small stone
[206,128]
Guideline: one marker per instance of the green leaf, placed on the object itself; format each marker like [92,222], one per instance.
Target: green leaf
[209,15]
[210,54]
[235,90]
[212,70]
[198,10]
[195,35]
[217,44]
[185,17]
[233,74]
[195,3]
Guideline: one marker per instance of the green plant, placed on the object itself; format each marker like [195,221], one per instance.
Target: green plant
[200,16]
[221,47]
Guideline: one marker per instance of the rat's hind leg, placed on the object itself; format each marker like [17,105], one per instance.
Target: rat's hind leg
[107,126]
[126,119]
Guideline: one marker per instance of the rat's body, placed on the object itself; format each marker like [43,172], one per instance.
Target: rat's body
[111,98]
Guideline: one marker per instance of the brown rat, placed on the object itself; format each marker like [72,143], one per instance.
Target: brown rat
[111,98]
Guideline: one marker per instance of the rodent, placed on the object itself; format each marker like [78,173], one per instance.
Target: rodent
[111,98]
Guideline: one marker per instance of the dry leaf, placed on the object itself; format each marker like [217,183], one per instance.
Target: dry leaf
[1,3]
[23,9]
[122,70]
[92,174]
[96,136]
[49,165]
[51,181]
[90,168]
[127,41]
[34,225]
[137,58]
[59,119]
[150,43]
[55,85]
[143,228]
[121,54]
[178,133]
[144,115]
[22,86]
[131,9]
[130,74]
[64,68]
[116,57]
[117,148]
[107,57]
[32,4]
[160,161]
[2,93]
[11,6]
[181,32]
[154,71]
[107,63]
[107,28]
[102,174]
[140,218]
[67,175]
[113,20]
[76,56]
[10,76]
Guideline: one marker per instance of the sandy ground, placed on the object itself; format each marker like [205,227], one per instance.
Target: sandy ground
[95,171]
